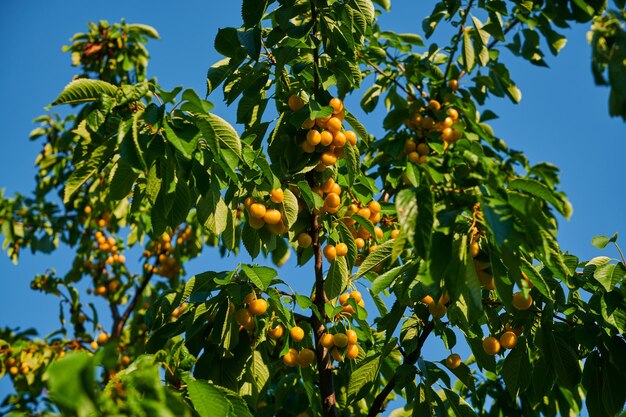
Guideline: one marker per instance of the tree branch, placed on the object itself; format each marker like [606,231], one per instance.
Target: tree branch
[457,41]
[391,78]
[411,358]
[506,31]
[324,363]
[118,325]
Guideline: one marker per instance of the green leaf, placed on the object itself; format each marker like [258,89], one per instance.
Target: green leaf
[208,400]
[600,241]
[464,373]
[337,278]
[458,405]
[261,276]
[536,278]
[469,59]
[87,168]
[185,140]
[406,207]
[252,12]
[352,160]
[517,371]
[359,129]
[563,359]
[216,74]
[290,206]
[385,279]
[609,275]
[71,383]
[380,254]
[362,379]
[122,181]
[538,189]
[424,221]
[366,7]
[348,239]
[219,131]
[84,90]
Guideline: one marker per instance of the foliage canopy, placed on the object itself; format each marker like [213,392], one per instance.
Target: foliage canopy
[436,229]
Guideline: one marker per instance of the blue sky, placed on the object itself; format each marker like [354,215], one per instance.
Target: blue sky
[562,119]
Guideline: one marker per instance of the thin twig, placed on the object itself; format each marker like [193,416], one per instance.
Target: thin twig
[391,78]
[457,41]
[512,24]
[377,405]
[118,326]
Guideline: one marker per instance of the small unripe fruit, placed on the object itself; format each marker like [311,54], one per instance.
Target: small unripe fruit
[326,138]
[474,249]
[341,340]
[352,337]
[257,210]
[521,303]
[313,137]
[437,310]
[257,307]
[243,317]
[328,186]
[428,123]
[103,338]
[453,84]
[296,333]
[447,135]
[125,360]
[337,355]
[356,295]
[374,206]
[304,240]
[328,159]
[360,243]
[307,147]
[306,357]
[414,157]
[276,332]
[365,212]
[453,113]
[336,104]
[255,223]
[290,358]
[491,345]
[343,298]
[395,233]
[332,200]
[327,340]
[307,124]
[277,196]
[333,124]
[341,249]
[339,139]
[453,361]
[352,352]
[94,345]
[249,298]
[423,149]
[378,232]
[336,188]
[508,340]
[272,216]
[295,103]
[351,137]
[409,146]
[434,105]
[330,253]
[486,280]
[13,370]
